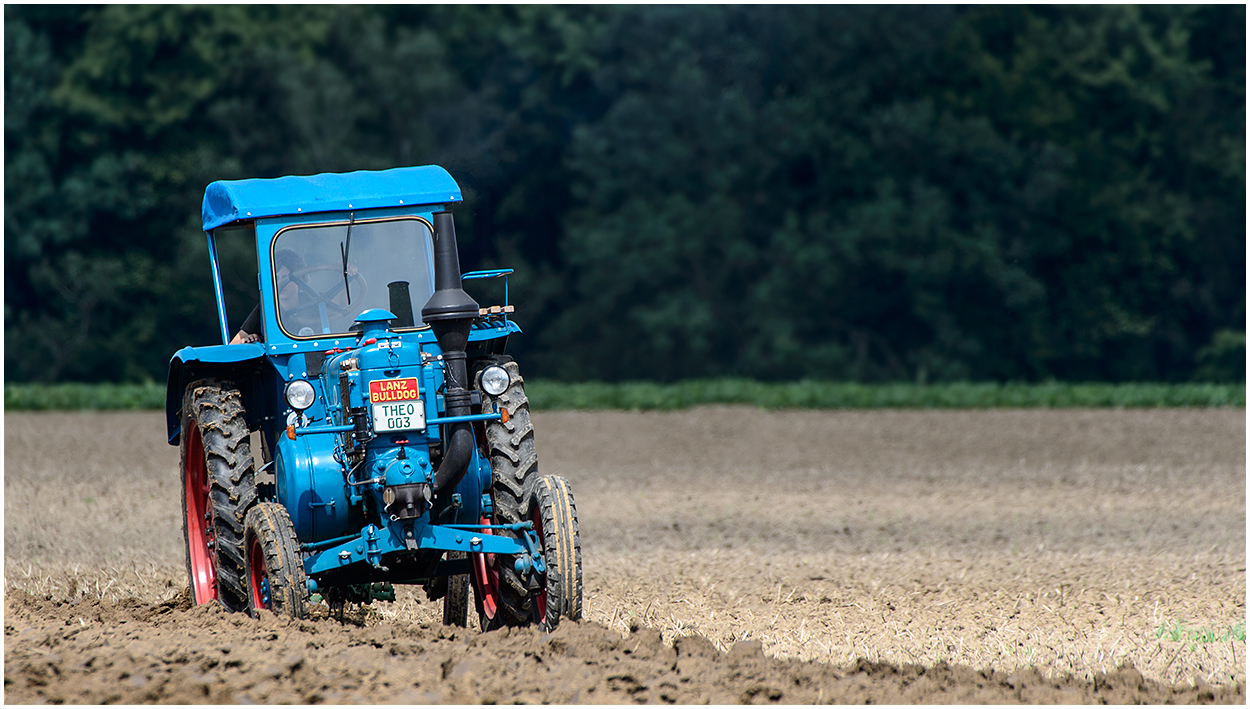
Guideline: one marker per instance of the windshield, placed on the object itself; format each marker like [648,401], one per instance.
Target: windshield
[326,275]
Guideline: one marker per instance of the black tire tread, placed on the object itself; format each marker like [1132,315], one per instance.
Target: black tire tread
[270,523]
[216,407]
[514,469]
[562,548]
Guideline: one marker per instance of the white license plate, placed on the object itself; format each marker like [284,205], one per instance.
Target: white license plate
[399,416]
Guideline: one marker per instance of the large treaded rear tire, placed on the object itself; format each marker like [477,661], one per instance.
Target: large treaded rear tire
[514,470]
[275,569]
[219,488]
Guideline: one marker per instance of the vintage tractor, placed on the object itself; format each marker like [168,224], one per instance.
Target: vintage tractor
[394,434]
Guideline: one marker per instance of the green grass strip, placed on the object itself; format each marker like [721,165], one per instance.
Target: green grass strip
[69,397]
[647,396]
[840,395]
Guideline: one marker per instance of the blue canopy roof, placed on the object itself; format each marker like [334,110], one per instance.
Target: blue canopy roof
[226,201]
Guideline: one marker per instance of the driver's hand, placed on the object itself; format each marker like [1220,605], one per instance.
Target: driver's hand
[351,269]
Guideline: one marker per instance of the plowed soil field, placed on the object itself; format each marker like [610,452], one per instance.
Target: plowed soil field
[731,555]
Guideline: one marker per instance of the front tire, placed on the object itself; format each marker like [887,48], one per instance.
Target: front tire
[218,488]
[555,519]
[275,570]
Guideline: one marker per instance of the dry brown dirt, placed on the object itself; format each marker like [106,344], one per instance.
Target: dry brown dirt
[731,555]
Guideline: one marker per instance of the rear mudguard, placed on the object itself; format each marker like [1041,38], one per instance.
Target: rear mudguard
[242,364]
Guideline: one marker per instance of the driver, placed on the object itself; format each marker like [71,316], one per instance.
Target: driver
[285,263]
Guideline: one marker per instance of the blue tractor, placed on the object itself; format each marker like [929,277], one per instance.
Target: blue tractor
[394,433]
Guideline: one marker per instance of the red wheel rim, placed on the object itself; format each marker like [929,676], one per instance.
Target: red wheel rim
[486,580]
[540,600]
[199,526]
[258,575]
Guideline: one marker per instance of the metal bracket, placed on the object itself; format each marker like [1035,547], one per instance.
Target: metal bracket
[372,554]
[531,544]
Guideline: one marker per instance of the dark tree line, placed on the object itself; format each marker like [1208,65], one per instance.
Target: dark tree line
[840,192]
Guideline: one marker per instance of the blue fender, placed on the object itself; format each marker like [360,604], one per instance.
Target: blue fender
[237,362]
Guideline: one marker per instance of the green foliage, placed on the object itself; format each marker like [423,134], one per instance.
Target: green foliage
[635,396]
[1016,203]
[861,193]
[809,394]
[69,397]
[1224,360]
[1178,632]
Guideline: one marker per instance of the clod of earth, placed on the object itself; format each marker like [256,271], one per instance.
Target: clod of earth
[101,652]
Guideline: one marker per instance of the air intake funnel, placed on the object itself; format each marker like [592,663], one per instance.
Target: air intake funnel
[450,313]
[449,301]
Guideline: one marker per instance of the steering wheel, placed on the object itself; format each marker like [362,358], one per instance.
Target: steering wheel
[326,296]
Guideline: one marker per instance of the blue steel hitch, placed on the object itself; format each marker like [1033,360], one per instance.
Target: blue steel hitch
[523,564]
[372,542]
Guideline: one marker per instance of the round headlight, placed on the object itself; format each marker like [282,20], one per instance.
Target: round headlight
[495,380]
[300,394]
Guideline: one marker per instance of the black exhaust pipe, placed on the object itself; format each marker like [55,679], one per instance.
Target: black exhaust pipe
[450,313]
[401,304]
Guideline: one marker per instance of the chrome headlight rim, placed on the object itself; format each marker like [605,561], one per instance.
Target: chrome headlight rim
[300,395]
[495,380]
